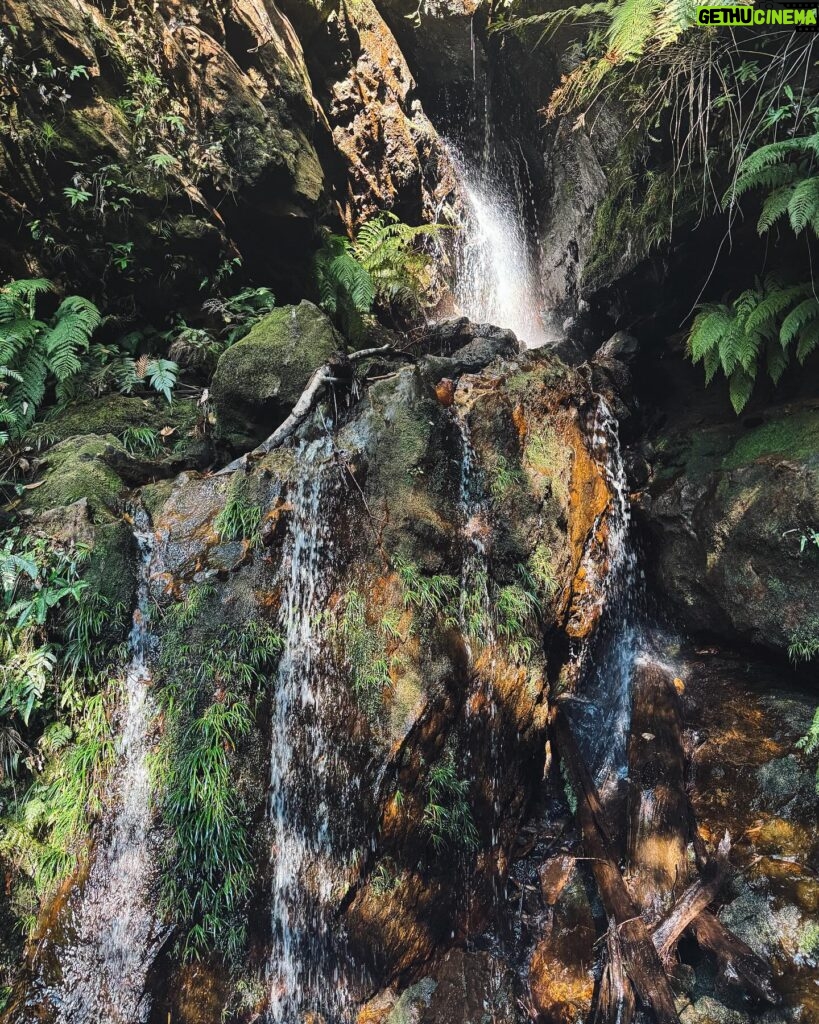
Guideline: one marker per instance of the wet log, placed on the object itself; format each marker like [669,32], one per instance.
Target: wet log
[739,966]
[641,960]
[693,901]
[615,995]
[658,803]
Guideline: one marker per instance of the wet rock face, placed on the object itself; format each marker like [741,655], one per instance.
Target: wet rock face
[429,517]
[730,510]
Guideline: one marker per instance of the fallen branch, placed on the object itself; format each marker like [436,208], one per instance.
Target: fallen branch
[693,901]
[642,962]
[738,964]
[324,375]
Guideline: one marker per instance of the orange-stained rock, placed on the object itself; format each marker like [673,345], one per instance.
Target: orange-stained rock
[445,391]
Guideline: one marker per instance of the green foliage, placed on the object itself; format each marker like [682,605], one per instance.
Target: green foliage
[804,643]
[240,312]
[55,740]
[447,815]
[384,879]
[241,518]
[44,836]
[503,478]
[516,610]
[384,264]
[141,441]
[210,684]
[36,353]
[764,325]
[542,571]
[363,648]
[429,596]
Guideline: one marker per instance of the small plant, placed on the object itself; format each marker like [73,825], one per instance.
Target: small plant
[503,478]
[141,441]
[430,596]
[35,352]
[804,643]
[542,571]
[384,880]
[516,610]
[241,518]
[447,816]
[208,689]
[363,647]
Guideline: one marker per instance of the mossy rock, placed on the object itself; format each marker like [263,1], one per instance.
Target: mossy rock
[77,468]
[114,414]
[260,378]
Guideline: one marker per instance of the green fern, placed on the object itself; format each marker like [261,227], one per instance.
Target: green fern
[384,265]
[35,353]
[767,321]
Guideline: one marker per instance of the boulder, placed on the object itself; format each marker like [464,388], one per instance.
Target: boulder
[731,508]
[260,378]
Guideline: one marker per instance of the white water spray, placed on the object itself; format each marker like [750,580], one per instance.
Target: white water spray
[116,935]
[495,277]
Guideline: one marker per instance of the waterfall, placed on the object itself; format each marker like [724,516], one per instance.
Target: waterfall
[602,712]
[113,928]
[495,275]
[304,976]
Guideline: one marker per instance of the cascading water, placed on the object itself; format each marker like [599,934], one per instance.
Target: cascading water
[304,974]
[114,931]
[495,279]
[602,710]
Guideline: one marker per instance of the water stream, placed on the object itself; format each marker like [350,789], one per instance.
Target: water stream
[114,929]
[495,276]
[304,974]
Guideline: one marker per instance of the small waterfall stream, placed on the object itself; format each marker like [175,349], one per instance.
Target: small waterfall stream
[303,976]
[115,930]
[495,277]
[602,710]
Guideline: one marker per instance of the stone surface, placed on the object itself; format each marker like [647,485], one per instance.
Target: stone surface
[260,378]
[730,508]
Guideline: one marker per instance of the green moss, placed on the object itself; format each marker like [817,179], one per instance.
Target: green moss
[75,469]
[111,573]
[260,378]
[114,414]
[794,436]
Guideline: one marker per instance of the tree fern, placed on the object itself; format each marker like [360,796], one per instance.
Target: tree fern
[767,322]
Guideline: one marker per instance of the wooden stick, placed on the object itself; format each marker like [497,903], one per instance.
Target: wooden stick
[642,962]
[615,995]
[693,902]
[320,378]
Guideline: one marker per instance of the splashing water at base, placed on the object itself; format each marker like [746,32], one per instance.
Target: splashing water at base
[114,930]
[495,279]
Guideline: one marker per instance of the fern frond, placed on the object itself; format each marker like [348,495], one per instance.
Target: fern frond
[740,386]
[632,26]
[551,21]
[808,340]
[776,176]
[773,305]
[676,17]
[804,204]
[711,324]
[798,318]
[776,359]
[776,152]
[774,207]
